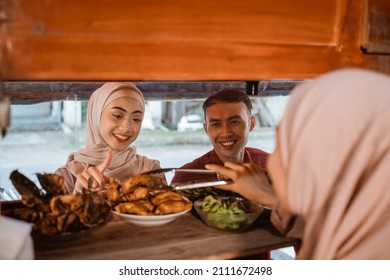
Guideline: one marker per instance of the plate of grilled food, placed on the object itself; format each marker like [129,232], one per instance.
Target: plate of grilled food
[52,210]
[146,200]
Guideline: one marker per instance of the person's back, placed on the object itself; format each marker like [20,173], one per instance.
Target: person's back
[334,144]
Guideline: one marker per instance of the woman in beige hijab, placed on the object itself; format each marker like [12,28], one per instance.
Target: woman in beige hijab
[115,114]
[331,166]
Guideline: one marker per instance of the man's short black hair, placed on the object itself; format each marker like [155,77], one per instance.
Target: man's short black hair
[228,96]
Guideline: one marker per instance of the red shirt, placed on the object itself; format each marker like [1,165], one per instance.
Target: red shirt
[251,155]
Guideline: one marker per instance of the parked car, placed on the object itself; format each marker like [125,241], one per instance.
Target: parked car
[190,123]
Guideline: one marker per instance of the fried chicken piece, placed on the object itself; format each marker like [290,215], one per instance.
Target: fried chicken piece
[114,192]
[74,210]
[148,205]
[134,207]
[148,181]
[164,196]
[53,184]
[135,188]
[95,209]
[72,223]
[66,203]
[172,206]
[32,196]
[137,194]
[48,224]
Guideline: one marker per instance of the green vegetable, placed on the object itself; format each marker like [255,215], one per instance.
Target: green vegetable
[224,213]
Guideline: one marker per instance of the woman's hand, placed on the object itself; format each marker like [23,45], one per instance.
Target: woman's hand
[94,172]
[249,180]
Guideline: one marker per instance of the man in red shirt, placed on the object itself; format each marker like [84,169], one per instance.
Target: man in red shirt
[228,122]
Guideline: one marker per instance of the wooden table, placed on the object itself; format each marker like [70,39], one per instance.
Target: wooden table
[185,238]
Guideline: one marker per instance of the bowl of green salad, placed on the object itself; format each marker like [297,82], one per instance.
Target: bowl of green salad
[228,213]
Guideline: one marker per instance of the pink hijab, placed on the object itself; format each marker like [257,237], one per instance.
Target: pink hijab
[124,163]
[334,143]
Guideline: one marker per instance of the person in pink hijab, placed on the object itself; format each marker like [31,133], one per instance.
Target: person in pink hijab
[115,114]
[331,166]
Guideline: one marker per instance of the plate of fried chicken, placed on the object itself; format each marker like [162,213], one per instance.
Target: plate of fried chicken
[152,220]
[146,200]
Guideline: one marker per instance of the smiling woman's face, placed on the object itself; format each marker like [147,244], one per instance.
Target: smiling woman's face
[120,123]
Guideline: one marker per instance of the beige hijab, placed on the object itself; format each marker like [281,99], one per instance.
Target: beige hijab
[124,163]
[335,148]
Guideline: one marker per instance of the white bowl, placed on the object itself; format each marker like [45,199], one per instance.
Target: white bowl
[151,221]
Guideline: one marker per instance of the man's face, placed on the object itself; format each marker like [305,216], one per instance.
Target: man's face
[228,126]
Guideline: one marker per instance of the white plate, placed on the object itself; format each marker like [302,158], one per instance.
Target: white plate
[151,221]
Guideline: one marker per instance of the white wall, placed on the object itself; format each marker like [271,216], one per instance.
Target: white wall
[71,113]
